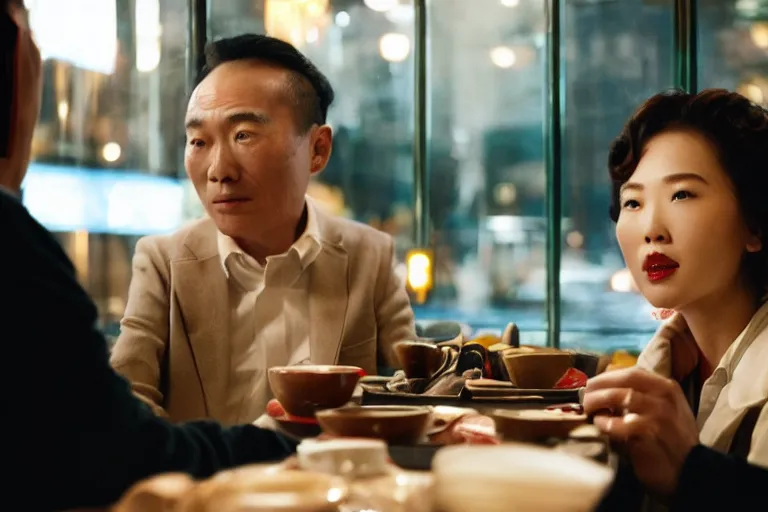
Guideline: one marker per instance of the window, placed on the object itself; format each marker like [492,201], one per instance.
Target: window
[733,44]
[108,150]
[107,147]
[617,54]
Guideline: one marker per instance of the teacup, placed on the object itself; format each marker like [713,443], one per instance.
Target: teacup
[304,389]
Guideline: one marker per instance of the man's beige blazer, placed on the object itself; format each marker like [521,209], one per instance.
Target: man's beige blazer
[174,338]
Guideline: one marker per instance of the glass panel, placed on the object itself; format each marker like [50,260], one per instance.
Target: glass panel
[367,56]
[488,182]
[617,54]
[733,45]
[107,148]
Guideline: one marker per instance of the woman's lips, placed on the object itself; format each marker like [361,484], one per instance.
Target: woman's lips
[659,266]
[657,274]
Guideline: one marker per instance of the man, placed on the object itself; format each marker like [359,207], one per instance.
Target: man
[74,434]
[268,279]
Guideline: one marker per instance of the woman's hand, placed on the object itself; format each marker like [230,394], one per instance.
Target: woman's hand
[648,415]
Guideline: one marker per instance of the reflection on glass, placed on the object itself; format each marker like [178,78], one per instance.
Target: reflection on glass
[487,87]
[107,146]
[733,41]
[617,55]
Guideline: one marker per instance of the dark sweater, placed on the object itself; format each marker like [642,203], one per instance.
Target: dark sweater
[75,434]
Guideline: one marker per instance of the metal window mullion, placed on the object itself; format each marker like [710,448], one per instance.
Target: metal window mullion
[553,161]
[685,41]
[420,128]
[197,30]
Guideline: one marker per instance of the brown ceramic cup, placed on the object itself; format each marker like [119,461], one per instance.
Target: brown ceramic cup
[394,424]
[304,389]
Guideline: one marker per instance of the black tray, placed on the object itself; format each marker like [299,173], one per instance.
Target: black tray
[377,394]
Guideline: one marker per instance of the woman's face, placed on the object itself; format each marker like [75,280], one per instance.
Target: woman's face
[680,227]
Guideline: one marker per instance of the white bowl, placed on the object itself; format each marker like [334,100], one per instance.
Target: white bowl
[516,477]
[358,458]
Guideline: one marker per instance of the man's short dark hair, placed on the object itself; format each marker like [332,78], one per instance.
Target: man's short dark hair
[310,89]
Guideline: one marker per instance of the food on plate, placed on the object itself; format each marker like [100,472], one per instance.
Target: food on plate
[571,379]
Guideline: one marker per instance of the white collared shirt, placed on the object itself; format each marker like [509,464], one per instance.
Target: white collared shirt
[269,316]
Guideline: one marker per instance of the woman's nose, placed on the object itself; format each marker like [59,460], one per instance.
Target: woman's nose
[655,228]
[659,237]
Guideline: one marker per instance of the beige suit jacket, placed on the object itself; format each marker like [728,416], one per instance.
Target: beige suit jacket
[173,345]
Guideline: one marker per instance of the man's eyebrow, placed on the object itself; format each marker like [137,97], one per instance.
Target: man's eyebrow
[248,117]
[234,118]
[193,122]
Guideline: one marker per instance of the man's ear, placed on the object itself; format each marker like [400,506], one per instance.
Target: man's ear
[755,243]
[322,146]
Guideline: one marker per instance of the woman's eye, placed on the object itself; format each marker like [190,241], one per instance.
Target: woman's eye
[681,194]
[630,204]
[196,143]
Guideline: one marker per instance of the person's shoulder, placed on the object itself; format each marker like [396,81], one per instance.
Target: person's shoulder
[16,223]
[11,206]
[354,233]
[176,245]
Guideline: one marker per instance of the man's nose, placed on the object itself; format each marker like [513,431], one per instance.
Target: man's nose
[223,166]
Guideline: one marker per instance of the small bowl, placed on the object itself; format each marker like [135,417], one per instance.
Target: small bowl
[304,389]
[391,423]
[532,425]
[518,477]
[536,370]
[351,458]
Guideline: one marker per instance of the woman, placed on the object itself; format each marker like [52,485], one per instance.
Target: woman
[690,180]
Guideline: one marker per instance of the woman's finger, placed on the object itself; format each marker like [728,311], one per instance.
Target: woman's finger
[628,427]
[621,401]
[635,378]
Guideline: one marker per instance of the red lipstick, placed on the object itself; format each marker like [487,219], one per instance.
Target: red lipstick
[659,266]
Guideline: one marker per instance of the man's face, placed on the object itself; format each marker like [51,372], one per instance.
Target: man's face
[245,152]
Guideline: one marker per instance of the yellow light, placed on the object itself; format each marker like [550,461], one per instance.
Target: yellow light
[758,32]
[503,57]
[419,264]
[394,47]
[111,151]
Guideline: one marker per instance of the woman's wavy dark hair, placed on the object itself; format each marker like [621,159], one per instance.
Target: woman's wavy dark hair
[738,132]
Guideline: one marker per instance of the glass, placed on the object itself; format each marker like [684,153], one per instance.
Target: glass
[617,54]
[107,149]
[487,88]
[109,146]
[733,47]
[367,57]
